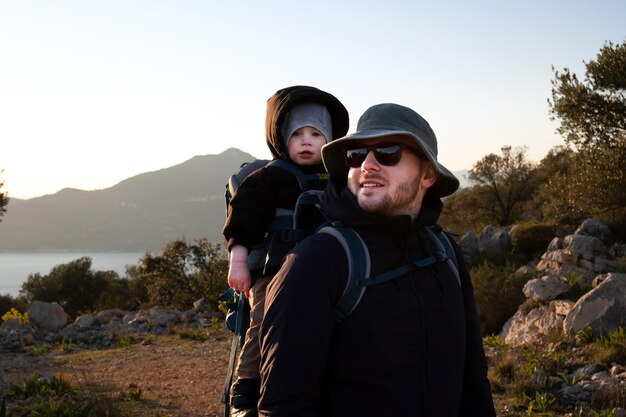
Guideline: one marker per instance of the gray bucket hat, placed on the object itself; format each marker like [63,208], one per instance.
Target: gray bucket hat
[385,120]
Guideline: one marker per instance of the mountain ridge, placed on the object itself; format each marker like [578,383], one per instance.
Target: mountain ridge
[138,214]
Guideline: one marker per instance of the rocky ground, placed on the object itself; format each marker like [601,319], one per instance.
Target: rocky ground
[178,378]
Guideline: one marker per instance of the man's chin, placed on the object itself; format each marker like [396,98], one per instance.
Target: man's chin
[368,203]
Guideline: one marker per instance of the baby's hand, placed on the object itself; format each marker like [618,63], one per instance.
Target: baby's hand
[239,277]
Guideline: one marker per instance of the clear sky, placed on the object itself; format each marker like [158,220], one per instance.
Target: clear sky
[93,92]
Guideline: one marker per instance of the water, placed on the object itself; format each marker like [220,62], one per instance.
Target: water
[15,267]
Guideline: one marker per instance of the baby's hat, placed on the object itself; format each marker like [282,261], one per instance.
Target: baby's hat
[308,114]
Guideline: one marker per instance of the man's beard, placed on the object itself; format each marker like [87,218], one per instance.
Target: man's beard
[404,200]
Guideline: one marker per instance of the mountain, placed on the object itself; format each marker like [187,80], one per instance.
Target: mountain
[462,175]
[140,214]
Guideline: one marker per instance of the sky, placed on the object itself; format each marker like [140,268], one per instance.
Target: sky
[94,92]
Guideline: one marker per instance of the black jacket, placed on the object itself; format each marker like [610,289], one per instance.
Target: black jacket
[253,206]
[412,347]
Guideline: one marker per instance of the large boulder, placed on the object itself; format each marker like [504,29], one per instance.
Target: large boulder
[47,316]
[603,309]
[591,227]
[546,288]
[469,247]
[532,327]
[581,255]
[494,241]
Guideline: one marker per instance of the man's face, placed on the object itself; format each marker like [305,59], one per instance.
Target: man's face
[391,190]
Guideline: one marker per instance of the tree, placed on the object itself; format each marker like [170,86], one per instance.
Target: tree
[183,273]
[503,183]
[592,115]
[74,285]
[4,199]
[550,180]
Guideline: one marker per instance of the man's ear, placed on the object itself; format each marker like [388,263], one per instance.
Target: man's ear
[429,176]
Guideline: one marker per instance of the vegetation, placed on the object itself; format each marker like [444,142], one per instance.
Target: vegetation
[181,274]
[496,282]
[79,289]
[592,115]
[4,199]
[531,238]
[565,186]
[14,313]
[503,182]
[57,396]
[529,379]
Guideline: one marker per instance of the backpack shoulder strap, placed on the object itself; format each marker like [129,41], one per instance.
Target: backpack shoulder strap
[442,240]
[358,266]
[235,180]
[303,179]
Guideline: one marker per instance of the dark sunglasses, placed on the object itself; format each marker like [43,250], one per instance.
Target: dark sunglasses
[387,154]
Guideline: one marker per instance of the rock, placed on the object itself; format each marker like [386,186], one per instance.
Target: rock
[469,247]
[11,325]
[201,305]
[27,338]
[574,393]
[586,246]
[617,370]
[555,244]
[163,316]
[85,320]
[545,288]
[114,314]
[47,316]
[603,378]
[494,241]
[619,250]
[591,227]
[530,328]
[561,307]
[603,308]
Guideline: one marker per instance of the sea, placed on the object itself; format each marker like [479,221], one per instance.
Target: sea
[16,267]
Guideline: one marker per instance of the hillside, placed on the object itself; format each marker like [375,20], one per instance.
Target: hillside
[141,213]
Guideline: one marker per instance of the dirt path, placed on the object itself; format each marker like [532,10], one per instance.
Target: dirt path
[178,378]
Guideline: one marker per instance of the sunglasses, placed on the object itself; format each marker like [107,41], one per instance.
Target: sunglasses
[387,154]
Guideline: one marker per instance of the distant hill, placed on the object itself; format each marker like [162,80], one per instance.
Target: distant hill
[139,214]
[463,177]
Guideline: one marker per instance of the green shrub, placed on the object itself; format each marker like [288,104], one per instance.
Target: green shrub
[37,385]
[531,238]
[577,284]
[7,303]
[498,293]
[125,341]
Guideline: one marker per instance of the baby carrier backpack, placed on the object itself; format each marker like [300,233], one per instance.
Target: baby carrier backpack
[306,219]
[265,256]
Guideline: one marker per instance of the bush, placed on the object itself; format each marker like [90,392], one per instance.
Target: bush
[498,293]
[182,273]
[531,238]
[74,285]
[8,302]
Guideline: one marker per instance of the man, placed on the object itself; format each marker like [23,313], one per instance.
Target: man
[412,346]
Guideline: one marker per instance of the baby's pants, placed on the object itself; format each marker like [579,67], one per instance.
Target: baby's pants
[250,355]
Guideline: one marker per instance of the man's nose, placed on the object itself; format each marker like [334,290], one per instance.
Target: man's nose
[370,161]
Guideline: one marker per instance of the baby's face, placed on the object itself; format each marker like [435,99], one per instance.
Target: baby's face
[305,146]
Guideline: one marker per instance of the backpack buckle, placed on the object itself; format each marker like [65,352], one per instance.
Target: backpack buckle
[441,257]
